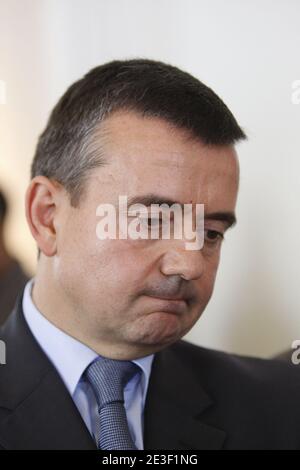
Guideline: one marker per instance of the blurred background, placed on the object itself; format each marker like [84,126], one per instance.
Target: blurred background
[249,53]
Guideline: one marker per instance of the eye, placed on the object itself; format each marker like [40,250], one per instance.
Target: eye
[213,236]
[151,221]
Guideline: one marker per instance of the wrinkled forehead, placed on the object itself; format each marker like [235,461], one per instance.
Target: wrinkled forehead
[148,154]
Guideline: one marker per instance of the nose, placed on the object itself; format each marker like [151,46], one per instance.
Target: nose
[188,264]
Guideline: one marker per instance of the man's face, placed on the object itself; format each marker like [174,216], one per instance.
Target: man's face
[122,291]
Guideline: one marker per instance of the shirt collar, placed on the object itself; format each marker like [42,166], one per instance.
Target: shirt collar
[69,356]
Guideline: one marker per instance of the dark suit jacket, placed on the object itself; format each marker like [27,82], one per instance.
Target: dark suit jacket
[197,399]
[12,282]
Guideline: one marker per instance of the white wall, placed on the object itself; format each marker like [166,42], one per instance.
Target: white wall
[248,51]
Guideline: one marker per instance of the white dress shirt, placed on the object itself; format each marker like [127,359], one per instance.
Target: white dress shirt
[71,357]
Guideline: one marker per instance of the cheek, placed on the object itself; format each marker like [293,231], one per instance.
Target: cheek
[77,266]
[105,269]
[207,280]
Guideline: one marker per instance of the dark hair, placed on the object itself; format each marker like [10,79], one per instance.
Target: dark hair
[3,207]
[66,152]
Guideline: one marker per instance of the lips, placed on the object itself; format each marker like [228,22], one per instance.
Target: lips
[177,306]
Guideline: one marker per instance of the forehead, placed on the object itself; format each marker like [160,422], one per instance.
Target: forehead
[150,155]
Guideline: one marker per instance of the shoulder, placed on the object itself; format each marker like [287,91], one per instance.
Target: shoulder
[256,401]
[231,372]
[184,349]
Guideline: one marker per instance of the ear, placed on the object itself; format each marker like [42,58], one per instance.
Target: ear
[42,200]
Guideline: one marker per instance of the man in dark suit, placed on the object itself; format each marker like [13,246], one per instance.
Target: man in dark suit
[94,357]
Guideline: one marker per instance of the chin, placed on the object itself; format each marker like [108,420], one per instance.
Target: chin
[158,329]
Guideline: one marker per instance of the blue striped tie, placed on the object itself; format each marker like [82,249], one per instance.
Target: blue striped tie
[108,378]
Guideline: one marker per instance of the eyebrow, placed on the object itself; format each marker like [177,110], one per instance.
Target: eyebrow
[228,217]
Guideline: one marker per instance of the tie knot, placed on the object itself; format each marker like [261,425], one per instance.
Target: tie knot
[108,378]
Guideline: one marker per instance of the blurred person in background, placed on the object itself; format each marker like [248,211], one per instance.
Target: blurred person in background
[12,276]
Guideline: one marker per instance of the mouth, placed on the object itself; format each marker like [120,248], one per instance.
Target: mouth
[170,305]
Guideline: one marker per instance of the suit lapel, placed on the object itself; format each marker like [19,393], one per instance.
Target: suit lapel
[175,406]
[47,419]
[39,411]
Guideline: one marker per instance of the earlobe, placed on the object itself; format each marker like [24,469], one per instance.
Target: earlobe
[41,209]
